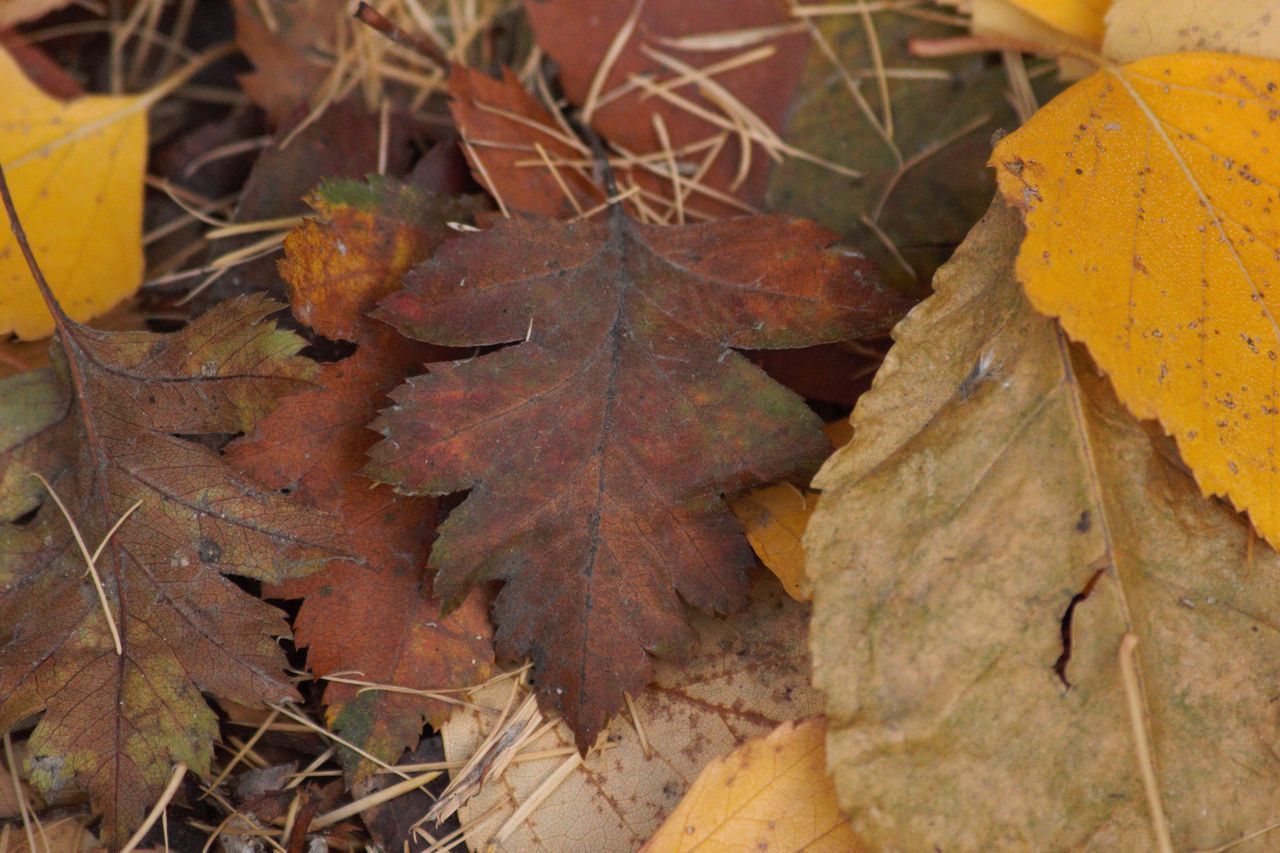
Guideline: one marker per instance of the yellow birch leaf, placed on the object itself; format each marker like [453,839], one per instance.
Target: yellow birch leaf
[76,170]
[1149,193]
[771,793]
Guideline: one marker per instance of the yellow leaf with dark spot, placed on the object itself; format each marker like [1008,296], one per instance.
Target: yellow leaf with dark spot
[1149,193]
[771,793]
[76,171]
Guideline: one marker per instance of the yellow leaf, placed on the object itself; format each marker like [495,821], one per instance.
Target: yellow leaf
[774,519]
[76,171]
[771,793]
[1079,18]
[1053,23]
[1153,227]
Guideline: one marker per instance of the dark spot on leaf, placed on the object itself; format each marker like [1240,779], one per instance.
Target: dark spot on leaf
[208,550]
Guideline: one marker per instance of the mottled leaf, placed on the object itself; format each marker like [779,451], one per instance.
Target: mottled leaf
[995,530]
[105,425]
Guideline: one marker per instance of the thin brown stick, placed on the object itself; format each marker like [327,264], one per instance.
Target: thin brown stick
[380,23]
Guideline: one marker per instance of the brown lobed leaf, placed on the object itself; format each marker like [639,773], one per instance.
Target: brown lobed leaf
[1000,527]
[597,446]
[104,426]
[374,618]
[747,674]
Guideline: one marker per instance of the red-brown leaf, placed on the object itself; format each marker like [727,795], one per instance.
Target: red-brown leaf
[596,448]
[579,33]
[377,615]
[503,126]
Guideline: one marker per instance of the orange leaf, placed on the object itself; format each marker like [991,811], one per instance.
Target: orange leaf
[375,615]
[1149,194]
[771,793]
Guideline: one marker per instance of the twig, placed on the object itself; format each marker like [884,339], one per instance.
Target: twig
[375,20]
[1142,743]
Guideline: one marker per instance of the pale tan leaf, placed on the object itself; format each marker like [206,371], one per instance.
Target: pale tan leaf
[992,477]
[750,673]
[1141,28]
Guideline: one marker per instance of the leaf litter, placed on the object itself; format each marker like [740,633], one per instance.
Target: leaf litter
[384,70]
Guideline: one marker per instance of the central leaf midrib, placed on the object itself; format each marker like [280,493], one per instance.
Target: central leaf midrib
[617,244]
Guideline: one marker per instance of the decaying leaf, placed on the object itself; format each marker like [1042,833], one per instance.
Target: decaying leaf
[76,168]
[516,149]
[771,793]
[996,528]
[118,672]
[373,618]
[1140,28]
[749,673]
[281,39]
[943,114]
[1149,195]
[364,237]
[707,71]
[596,446]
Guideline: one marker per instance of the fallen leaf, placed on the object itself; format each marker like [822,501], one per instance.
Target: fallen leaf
[20,11]
[749,673]
[1049,22]
[38,67]
[375,618]
[771,793]
[1148,194]
[508,134]
[280,38]
[992,479]
[102,425]
[1141,28]
[342,143]
[670,41]
[774,519]
[65,835]
[76,168]
[596,446]
[944,113]
[356,248]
